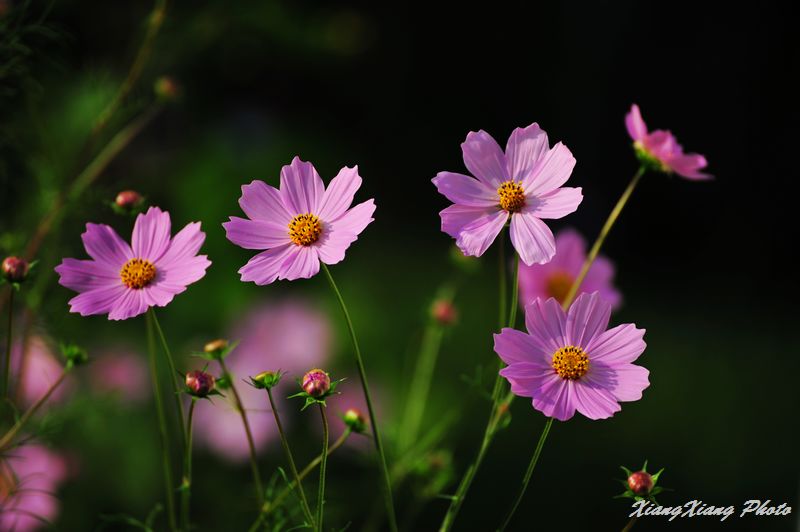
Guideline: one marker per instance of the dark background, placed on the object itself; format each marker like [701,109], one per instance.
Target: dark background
[708,268]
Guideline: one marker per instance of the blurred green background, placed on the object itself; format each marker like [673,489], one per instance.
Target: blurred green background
[706,268]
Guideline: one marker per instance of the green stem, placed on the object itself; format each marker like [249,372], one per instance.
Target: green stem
[13,431]
[387,483]
[502,289]
[528,473]
[615,212]
[323,466]
[290,459]
[630,524]
[186,486]
[162,425]
[9,344]
[494,418]
[250,443]
[174,379]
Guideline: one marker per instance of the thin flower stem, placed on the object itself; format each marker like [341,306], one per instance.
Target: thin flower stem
[13,431]
[269,506]
[186,485]
[387,483]
[528,473]
[630,523]
[491,426]
[502,288]
[176,384]
[615,212]
[290,459]
[250,444]
[162,426]
[9,344]
[323,466]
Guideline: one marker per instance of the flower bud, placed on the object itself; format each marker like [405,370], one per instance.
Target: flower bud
[640,482]
[199,383]
[167,89]
[266,379]
[216,347]
[444,312]
[316,383]
[128,200]
[355,420]
[75,355]
[15,270]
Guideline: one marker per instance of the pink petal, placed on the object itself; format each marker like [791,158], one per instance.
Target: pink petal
[532,239]
[97,301]
[546,322]
[301,187]
[555,398]
[158,295]
[551,171]
[525,378]
[177,275]
[600,278]
[476,237]
[570,251]
[353,221]
[456,217]
[624,381]
[85,275]
[302,264]
[594,402]
[103,244]
[635,125]
[256,234]
[339,194]
[514,346]
[484,158]
[183,245]
[689,166]
[622,344]
[556,204]
[524,149]
[265,267]
[131,304]
[587,318]
[465,190]
[260,201]
[151,234]
[331,247]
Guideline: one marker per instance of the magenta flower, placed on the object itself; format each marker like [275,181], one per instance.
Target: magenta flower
[38,370]
[298,225]
[523,184]
[28,480]
[555,278]
[661,149]
[569,361]
[124,281]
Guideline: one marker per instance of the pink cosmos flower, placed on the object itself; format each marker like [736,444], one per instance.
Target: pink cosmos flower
[124,281]
[298,225]
[291,336]
[37,372]
[555,278]
[662,149]
[569,361]
[523,184]
[120,371]
[29,477]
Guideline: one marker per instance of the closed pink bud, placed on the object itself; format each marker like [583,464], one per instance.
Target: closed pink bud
[640,482]
[316,383]
[15,269]
[444,312]
[199,383]
[128,199]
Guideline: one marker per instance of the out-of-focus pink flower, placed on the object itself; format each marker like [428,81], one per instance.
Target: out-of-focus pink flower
[290,336]
[120,371]
[38,370]
[29,477]
[661,148]
[555,278]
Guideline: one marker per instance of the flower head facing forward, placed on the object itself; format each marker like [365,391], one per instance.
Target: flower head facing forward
[299,225]
[555,278]
[524,183]
[660,150]
[124,280]
[571,361]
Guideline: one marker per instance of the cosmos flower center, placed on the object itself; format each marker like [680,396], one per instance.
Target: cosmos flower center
[558,285]
[137,273]
[512,196]
[571,363]
[305,229]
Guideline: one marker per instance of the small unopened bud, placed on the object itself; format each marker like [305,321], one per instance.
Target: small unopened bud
[15,270]
[167,89]
[316,383]
[266,379]
[216,347]
[444,312]
[199,383]
[75,355]
[128,200]
[640,482]
[355,420]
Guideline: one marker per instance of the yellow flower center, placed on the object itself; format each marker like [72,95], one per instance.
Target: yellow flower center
[137,273]
[558,285]
[305,229]
[512,197]
[571,363]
